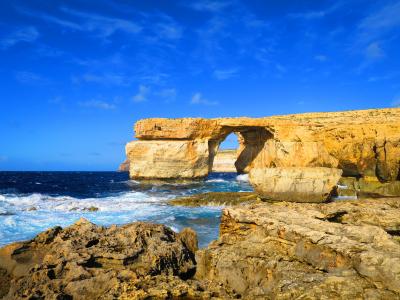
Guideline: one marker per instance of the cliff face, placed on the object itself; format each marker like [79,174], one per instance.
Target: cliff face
[362,144]
[224,161]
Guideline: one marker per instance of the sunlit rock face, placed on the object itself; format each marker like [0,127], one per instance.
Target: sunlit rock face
[337,250]
[362,144]
[224,161]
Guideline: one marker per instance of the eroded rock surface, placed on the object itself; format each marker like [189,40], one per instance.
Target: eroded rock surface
[85,261]
[363,144]
[216,199]
[339,250]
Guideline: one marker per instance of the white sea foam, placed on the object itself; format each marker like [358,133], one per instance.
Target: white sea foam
[216,180]
[123,202]
[243,177]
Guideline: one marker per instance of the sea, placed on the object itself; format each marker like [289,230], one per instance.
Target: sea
[31,202]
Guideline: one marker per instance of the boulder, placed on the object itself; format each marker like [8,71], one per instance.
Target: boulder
[295,184]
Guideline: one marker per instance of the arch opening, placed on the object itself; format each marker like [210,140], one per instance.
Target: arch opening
[237,148]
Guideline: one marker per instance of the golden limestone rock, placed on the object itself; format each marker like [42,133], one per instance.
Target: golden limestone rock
[362,144]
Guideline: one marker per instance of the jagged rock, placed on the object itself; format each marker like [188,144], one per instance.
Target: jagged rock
[362,144]
[295,184]
[282,250]
[85,261]
[216,199]
[224,161]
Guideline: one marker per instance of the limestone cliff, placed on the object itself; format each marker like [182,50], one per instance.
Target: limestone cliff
[362,144]
[224,161]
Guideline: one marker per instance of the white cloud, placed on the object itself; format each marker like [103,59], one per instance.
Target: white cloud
[386,18]
[98,104]
[168,94]
[3,158]
[225,74]
[197,98]
[321,58]
[26,34]
[142,94]
[101,26]
[374,51]
[105,79]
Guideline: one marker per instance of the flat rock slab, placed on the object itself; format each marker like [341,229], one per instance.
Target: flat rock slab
[216,199]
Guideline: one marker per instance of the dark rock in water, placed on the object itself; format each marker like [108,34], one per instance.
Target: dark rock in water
[85,261]
[217,199]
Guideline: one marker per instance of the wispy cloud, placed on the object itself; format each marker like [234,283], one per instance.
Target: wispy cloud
[28,77]
[374,51]
[210,6]
[107,79]
[308,15]
[27,34]
[198,98]
[321,58]
[101,26]
[225,73]
[142,94]
[3,158]
[387,18]
[97,104]
[168,94]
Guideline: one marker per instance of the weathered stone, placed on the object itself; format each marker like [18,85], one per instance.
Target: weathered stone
[168,159]
[85,261]
[295,184]
[216,199]
[339,250]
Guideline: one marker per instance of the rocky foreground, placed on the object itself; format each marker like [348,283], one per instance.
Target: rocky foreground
[338,250]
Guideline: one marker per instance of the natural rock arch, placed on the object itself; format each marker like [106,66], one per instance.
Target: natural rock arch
[251,142]
[303,155]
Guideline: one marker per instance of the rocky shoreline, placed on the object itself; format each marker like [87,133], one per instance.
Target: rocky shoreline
[339,250]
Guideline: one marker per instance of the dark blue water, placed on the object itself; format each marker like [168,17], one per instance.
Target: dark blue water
[31,202]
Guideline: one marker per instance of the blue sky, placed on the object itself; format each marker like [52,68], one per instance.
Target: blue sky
[76,75]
